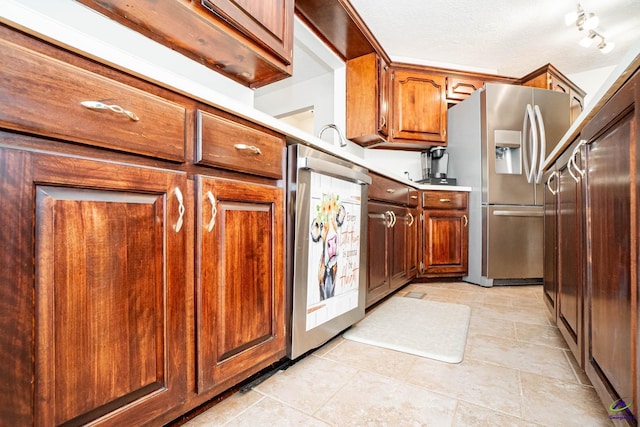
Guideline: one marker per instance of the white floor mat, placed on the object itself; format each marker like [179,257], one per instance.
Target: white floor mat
[436,330]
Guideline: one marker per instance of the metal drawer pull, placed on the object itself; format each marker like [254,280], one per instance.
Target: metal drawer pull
[390,190]
[445,200]
[251,148]
[412,219]
[214,211]
[466,220]
[414,197]
[97,105]
[181,210]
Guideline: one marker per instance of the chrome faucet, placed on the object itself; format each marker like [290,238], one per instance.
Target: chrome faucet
[343,141]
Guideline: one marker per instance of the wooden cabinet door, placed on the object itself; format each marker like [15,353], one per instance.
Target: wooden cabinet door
[550,280]
[268,22]
[399,247]
[570,265]
[378,220]
[240,290]
[612,334]
[106,306]
[445,246]
[459,88]
[413,237]
[419,106]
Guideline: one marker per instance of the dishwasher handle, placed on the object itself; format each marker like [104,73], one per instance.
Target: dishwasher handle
[335,170]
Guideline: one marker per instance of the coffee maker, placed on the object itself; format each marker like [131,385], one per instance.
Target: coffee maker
[435,166]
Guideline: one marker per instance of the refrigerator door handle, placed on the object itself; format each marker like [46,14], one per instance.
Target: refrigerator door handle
[542,150]
[518,213]
[529,143]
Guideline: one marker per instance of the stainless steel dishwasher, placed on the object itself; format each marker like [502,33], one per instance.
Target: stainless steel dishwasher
[326,246]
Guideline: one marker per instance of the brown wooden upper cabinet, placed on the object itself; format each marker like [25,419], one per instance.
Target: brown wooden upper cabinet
[548,77]
[394,107]
[248,41]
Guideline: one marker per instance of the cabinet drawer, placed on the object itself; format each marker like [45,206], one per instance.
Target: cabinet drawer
[386,189]
[224,143]
[414,197]
[42,95]
[445,199]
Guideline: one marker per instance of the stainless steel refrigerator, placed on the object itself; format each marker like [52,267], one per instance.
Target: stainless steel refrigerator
[497,141]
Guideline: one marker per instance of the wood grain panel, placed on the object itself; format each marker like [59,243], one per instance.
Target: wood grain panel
[378,282]
[611,337]
[217,145]
[411,89]
[570,267]
[240,283]
[109,291]
[339,26]
[16,288]
[208,38]
[43,96]
[105,306]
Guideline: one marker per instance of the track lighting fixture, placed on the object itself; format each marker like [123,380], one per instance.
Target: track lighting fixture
[588,21]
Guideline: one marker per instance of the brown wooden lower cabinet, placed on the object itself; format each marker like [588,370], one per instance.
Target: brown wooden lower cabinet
[389,244]
[571,250]
[99,331]
[445,234]
[134,285]
[613,218]
[597,218]
[239,284]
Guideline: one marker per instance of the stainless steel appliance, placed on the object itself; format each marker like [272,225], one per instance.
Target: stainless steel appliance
[326,240]
[498,139]
[435,167]
[439,162]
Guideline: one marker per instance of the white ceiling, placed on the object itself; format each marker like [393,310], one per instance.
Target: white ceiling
[505,37]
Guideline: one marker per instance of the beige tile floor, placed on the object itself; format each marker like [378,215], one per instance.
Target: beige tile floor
[517,371]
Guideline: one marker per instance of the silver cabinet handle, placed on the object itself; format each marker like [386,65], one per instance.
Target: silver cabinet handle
[411,217]
[252,148]
[388,219]
[181,209]
[392,218]
[97,105]
[553,177]
[445,200]
[414,197]
[214,211]
[569,163]
[390,190]
[575,154]
[466,220]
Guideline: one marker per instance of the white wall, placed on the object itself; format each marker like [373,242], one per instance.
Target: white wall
[590,81]
[396,161]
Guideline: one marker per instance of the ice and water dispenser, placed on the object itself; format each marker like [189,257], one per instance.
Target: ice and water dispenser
[508,151]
